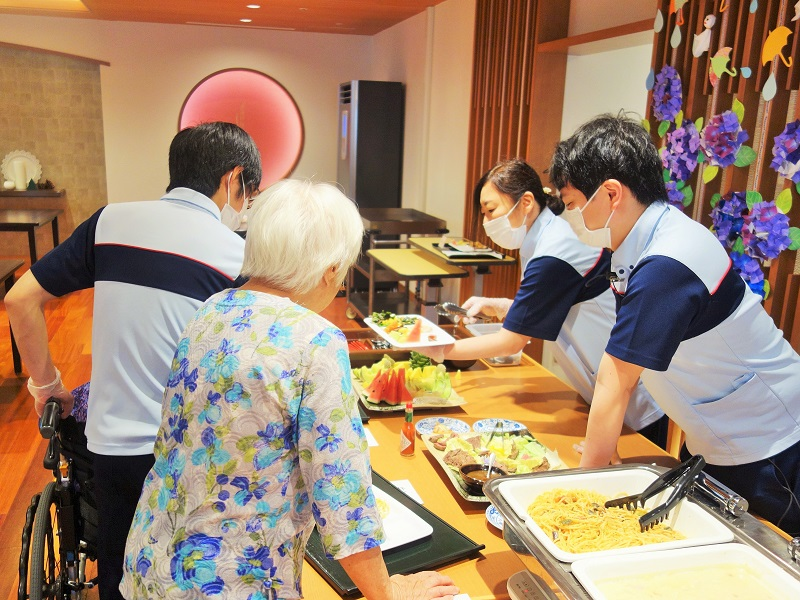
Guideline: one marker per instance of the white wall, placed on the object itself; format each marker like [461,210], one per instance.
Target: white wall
[153,68]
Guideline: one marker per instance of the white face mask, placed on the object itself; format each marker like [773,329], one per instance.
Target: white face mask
[503,234]
[599,238]
[229,215]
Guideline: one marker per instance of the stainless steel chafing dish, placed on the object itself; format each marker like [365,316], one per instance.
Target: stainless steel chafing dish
[707,493]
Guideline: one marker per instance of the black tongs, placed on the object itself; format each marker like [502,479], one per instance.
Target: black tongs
[679,478]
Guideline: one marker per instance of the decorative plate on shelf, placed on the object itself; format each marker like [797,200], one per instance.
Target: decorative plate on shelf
[33,169]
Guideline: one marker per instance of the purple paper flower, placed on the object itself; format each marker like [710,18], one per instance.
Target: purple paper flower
[667,94]
[749,270]
[727,217]
[766,231]
[674,195]
[787,152]
[680,151]
[722,138]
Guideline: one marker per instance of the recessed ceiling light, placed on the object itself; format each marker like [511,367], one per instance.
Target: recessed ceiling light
[246,20]
[253,6]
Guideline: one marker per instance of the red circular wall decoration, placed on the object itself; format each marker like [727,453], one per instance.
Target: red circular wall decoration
[259,105]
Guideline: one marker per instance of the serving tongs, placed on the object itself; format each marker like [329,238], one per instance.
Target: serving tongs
[679,478]
[453,310]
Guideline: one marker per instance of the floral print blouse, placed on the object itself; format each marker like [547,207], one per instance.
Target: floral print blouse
[260,439]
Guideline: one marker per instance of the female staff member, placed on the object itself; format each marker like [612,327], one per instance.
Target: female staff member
[564,295]
[260,435]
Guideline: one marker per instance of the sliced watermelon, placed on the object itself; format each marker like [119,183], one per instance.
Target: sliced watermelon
[404,395]
[415,333]
[390,389]
[375,390]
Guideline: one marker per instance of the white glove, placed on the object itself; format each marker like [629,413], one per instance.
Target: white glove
[54,389]
[490,307]
[435,353]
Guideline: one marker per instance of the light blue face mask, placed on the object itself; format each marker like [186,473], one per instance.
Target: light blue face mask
[230,217]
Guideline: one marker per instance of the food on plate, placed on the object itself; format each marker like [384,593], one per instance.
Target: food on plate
[395,382]
[404,328]
[577,521]
[513,453]
[359,345]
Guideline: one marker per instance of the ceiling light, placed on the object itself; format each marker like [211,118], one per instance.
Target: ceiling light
[245,20]
[253,6]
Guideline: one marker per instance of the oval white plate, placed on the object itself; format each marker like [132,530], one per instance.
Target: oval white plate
[494,517]
[506,426]
[425,426]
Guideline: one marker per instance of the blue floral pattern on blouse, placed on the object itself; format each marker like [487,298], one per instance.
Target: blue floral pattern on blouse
[260,440]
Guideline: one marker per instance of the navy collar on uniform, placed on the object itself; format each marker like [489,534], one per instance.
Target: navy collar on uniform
[192,199]
[625,258]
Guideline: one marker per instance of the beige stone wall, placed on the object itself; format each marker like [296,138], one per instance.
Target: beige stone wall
[50,106]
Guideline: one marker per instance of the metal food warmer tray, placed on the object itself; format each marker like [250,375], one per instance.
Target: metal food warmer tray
[706,492]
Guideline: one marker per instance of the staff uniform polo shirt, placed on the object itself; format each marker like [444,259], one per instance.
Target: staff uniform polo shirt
[713,358]
[152,265]
[564,297]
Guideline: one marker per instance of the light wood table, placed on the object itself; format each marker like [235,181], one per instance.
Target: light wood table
[527,393]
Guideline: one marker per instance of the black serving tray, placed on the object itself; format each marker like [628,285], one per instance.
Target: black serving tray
[446,545]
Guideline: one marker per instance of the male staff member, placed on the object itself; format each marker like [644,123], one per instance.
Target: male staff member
[152,264]
[702,343]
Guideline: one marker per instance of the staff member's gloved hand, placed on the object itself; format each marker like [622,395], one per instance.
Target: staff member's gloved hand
[55,389]
[435,353]
[491,307]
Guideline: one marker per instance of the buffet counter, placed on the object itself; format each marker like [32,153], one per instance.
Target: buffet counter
[527,393]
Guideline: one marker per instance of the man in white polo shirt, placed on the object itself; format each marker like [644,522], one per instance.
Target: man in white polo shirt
[151,264]
[687,323]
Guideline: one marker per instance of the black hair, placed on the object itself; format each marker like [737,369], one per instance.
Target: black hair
[610,147]
[513,178]
[199,156]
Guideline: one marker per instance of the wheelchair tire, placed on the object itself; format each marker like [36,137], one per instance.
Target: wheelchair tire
[45,571]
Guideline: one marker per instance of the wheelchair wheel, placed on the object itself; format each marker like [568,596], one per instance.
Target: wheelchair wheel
[45,563]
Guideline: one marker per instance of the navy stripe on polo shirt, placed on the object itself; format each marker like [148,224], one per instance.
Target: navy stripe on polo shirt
[550,288]
[160,270]
[664,304]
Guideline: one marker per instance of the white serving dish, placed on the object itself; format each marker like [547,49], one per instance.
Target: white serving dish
[699,526]
[442,338]
[401,525]
[688,573]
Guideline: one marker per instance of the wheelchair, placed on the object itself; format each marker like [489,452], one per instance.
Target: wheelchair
[60,532]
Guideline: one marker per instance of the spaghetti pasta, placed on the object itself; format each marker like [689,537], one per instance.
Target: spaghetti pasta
[577,521]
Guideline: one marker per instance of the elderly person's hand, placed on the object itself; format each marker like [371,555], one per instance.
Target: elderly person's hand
[490,307]
[615,458]
[55,389]
[425,585]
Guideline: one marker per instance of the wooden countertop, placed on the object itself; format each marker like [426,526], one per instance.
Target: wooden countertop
[528,393]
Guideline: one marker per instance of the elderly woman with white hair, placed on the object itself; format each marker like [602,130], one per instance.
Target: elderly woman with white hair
[260,436]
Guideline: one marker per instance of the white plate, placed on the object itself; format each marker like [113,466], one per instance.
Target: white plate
[506,426]
[33,169]
[425,426]
[688,573]
[428,329]
[494,517]
[699,526]
[401,525]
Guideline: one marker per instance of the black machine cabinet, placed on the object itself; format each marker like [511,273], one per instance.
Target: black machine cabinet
[370,158]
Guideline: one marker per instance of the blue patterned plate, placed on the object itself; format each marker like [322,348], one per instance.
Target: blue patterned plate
[425,426]
[494,517]
[506,426]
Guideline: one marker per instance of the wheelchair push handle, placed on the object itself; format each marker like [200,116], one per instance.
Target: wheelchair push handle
[51,417]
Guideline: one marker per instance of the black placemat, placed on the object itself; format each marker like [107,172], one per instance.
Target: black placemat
[444,546]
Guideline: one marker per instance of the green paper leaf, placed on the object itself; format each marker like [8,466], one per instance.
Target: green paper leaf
[794,235]
[745,156]
[784,201]
[679,118]
[738,109]
[753,198]
[709,173]
[738,246]
[699,124]
[700,157]
[767,289]
[646,125]
[663,127]
[714,199]
[688,195]
[797,187]
[665,175]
